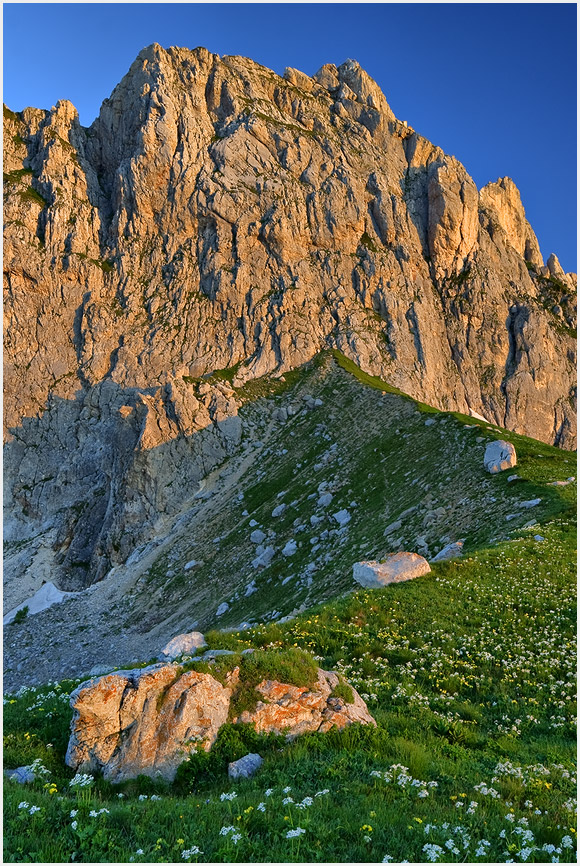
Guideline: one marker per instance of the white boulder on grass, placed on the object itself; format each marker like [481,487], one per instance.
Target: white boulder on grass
[499,455]
[184,643]
[396,568]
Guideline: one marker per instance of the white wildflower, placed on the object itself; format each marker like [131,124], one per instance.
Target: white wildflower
[81,780]
[432,852]
[191,852]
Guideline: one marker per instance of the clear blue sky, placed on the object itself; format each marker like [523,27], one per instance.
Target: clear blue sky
[492,84]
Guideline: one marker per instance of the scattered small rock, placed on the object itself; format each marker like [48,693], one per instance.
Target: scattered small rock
[530,503]
[224,606]
[22,775]
[450,551]
[280,509]
[216,653]
[264,558]
[257,536]
[342,517]
[245,767]
[290,548]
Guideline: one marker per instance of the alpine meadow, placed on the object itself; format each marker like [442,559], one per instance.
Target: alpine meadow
[290,484]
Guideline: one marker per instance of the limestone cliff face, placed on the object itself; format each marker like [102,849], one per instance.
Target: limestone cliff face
[216,215]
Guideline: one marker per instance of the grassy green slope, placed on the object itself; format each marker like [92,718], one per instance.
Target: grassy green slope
[380,454]
[469,671]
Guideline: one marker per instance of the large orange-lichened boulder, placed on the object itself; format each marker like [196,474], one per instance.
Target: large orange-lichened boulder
[294,710]
[144,721]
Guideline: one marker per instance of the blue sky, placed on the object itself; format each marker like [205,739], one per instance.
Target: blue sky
[492,84]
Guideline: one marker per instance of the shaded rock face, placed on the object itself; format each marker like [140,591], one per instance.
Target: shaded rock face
[148,721]
[294,710]
[396,568]
[144,721]
[214,215]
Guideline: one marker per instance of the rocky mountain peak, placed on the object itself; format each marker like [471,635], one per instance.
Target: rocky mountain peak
[219,217]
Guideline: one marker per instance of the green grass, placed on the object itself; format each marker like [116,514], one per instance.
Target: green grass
[343,691]
[469,672]
[29,194]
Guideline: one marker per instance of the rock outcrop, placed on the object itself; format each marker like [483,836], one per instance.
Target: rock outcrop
[147,721]
[396,568]
[294,710]
[214,216]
